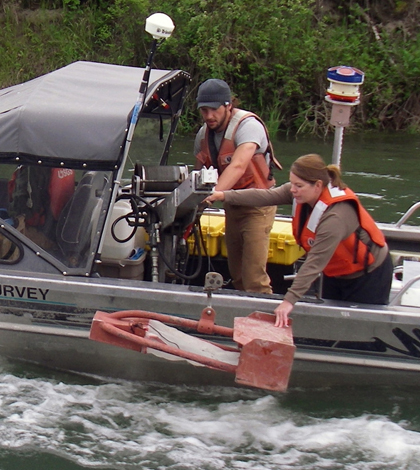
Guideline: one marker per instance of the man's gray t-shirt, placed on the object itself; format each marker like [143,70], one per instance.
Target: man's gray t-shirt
[249,130]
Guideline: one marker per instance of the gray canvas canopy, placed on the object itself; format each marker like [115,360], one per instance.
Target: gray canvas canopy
[79,114]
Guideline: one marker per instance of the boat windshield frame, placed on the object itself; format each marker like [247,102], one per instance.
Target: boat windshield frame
[75,119]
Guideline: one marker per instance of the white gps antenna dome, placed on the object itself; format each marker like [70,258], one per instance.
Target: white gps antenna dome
[159,25]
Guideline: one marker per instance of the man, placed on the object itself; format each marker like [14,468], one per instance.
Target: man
[236,143]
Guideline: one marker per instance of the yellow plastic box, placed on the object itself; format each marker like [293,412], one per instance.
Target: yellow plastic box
[282,248]
[213,230]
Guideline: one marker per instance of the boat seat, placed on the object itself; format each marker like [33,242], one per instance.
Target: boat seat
[76,221]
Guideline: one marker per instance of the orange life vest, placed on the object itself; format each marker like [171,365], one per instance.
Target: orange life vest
[60,189]
[351,255]
[257,173]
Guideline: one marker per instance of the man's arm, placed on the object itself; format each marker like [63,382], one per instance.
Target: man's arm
[236,168]
[200,134]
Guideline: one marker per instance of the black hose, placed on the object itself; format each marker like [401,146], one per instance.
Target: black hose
[177,273]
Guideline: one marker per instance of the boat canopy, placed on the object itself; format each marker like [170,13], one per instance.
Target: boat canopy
[78,116]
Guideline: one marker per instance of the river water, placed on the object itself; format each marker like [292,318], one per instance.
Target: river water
[58,421]
[382,168]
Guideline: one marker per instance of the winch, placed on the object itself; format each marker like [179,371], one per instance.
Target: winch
[165,202]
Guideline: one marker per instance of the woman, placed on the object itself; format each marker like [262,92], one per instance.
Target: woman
[340,237]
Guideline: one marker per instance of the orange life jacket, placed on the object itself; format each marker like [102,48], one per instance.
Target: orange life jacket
[257,173]
[351,255]
[60,189]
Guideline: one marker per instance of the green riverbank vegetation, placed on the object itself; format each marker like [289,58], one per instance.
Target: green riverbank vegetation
[274,54]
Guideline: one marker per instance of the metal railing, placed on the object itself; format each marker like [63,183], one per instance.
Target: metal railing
[408,214]
[397,299]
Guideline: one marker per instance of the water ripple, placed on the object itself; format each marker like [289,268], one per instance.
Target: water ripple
[151,426]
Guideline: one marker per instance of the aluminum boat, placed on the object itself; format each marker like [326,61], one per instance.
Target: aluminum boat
[127,232]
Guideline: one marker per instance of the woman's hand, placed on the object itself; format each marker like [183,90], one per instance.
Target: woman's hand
[282,313]
[215,196]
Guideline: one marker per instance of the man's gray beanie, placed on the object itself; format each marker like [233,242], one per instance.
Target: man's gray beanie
[213,93]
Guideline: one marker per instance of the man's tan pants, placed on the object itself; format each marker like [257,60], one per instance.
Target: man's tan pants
[247,237]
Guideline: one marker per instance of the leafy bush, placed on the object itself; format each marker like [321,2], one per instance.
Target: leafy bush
[274,55]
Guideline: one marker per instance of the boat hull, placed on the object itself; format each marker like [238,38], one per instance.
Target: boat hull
[126,238]
[336,343]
